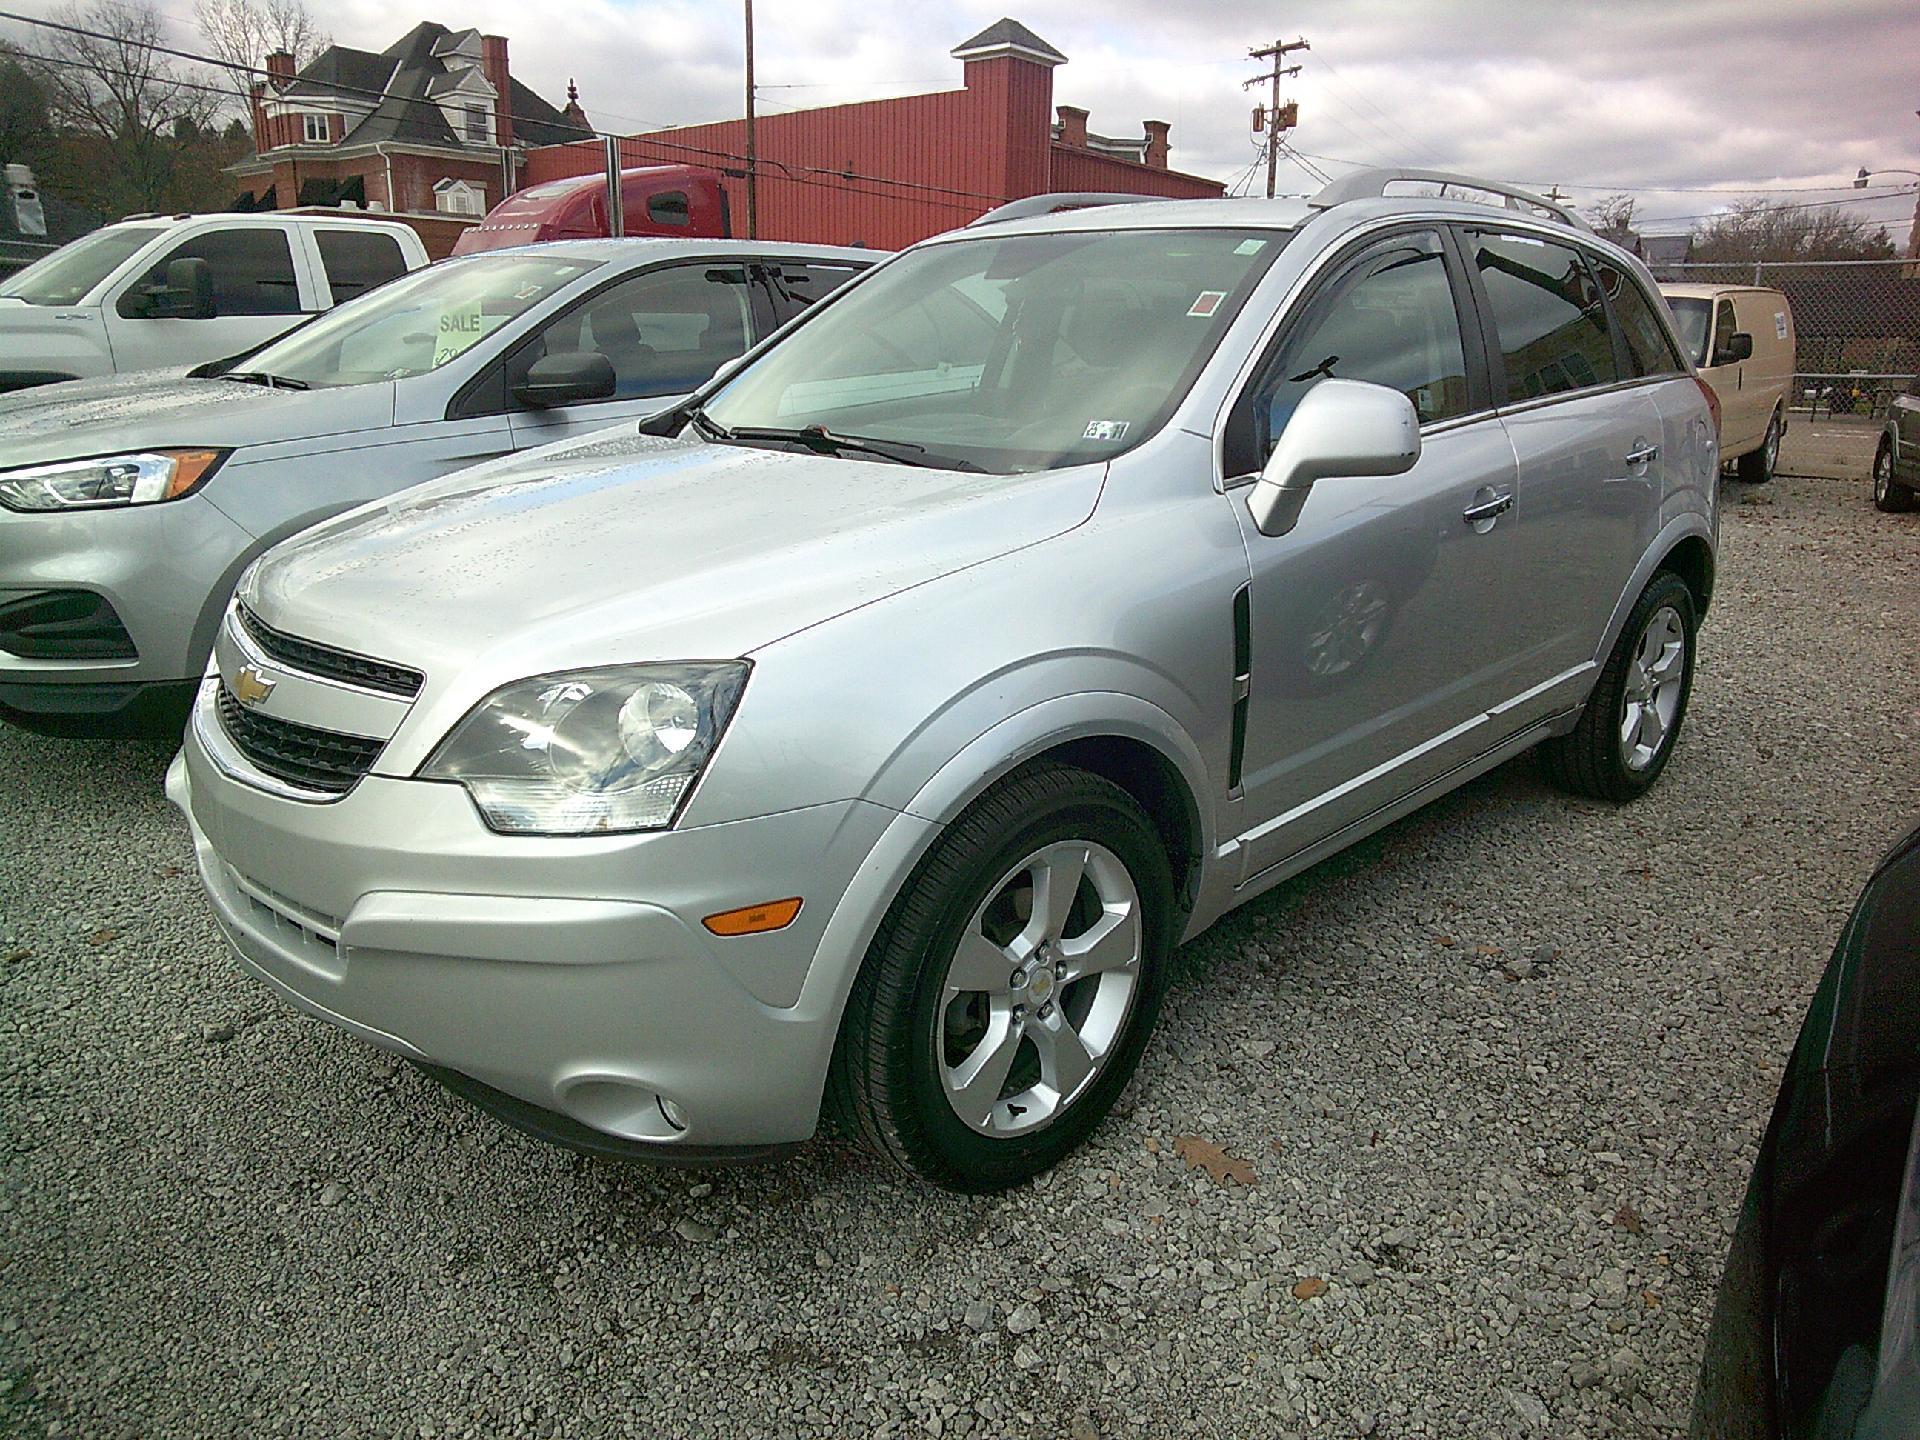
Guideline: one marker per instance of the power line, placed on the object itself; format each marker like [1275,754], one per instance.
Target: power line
[792,171]
[1276,52]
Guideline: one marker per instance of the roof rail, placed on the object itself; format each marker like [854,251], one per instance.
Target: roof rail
[1367,184]
[1031,205]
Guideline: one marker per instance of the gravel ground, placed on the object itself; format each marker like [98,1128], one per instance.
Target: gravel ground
[1499,1075]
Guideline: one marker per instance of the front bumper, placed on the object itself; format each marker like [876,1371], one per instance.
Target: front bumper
[163,572]
[569,974]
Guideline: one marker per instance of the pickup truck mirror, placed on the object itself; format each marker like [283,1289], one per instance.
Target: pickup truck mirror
[567,379]
[186,294]
[1735,348]
[1340,427]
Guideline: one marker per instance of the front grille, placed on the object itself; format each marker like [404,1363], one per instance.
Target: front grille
[299,754]
[331,664]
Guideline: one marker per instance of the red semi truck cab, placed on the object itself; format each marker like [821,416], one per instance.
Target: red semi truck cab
[679,200]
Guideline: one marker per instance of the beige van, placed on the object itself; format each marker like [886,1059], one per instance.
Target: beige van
[1741,337]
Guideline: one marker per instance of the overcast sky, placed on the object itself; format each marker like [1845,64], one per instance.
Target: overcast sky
[1592,95]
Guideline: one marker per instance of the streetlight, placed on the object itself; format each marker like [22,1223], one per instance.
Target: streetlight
[1860,180]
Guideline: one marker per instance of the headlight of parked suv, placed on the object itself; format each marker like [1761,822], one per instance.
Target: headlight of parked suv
[135,479]
[591,751]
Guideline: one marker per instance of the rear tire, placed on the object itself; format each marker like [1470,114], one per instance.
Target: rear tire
[1627,732]
[1756,467]
[979,1046]
[1888,493]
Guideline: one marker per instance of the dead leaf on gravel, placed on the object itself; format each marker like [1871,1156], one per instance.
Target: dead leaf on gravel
[1628,1219]
[1153,1144]
[1311,1288]
[1446,940]
[1204,1154]
[101,937]
[1650,1300]
[14,957]
[1487,949]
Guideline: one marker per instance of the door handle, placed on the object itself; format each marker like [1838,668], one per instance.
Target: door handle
[1488,509]
[1646,454]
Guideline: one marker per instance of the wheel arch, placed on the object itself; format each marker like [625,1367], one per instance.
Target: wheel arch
[1691,558]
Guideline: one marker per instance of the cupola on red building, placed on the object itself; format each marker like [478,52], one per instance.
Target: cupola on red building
[888,172]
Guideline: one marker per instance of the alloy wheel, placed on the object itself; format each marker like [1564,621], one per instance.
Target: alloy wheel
[1655,680]
[1040,989]
[1882,475]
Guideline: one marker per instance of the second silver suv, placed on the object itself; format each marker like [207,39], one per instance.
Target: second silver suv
[863,740]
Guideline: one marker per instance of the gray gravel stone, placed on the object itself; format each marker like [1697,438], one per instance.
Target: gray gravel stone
[167,1268]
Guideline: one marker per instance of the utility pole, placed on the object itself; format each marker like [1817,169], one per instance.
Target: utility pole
[753,177]
[1275,52]
[1554,193]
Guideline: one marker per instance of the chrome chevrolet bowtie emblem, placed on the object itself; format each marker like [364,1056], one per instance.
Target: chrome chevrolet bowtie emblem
[250,686]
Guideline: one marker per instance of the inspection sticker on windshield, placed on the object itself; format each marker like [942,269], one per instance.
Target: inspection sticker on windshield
[1206,302]
[1249,247]
[1106,430]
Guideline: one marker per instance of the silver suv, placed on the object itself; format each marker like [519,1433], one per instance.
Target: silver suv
[862,741]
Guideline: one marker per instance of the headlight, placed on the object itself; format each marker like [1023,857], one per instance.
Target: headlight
[590,751]
[135,479]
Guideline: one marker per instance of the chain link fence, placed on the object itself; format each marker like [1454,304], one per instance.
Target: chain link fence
[1856,325]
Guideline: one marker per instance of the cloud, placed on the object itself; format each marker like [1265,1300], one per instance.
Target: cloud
[1592,95]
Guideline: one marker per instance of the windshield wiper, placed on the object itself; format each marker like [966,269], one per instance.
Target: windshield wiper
[261,377]
[827,442]
[707,425]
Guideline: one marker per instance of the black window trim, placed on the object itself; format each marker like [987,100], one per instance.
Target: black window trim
[456,407]
[1328,276]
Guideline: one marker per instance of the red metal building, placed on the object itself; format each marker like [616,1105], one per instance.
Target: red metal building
[888,172]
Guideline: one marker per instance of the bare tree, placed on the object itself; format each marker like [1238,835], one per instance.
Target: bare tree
[244,32]
[119,101]
[1612,213]
[1775,230]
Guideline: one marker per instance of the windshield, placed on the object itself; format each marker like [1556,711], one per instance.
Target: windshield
[1692,319]
[1025,352]
[66,275]
[417,323]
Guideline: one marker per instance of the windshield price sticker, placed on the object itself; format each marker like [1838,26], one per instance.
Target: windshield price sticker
[458,328]
[1106,430]
[1249,247]
[1206,302]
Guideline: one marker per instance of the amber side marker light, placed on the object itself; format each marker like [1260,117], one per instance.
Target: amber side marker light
[190,468]
[754,919]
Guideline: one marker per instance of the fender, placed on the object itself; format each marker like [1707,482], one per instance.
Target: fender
[945,794]
[1671,534]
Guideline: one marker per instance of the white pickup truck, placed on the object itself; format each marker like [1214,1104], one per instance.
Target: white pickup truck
[154,291]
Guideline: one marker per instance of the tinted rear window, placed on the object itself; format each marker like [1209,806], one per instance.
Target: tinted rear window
[1647,343]
[1548,313]
[358,260]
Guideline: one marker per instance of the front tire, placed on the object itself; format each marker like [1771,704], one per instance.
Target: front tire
[1757,467]
[1888,493]
[1008,994]
[1627,732]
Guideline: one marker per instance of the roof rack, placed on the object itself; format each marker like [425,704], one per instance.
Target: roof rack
[1031,205]
[1368,184]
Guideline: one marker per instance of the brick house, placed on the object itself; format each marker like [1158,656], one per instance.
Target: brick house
[435,124]
[889,172]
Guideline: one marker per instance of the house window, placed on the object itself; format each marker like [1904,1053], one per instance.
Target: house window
[317,130]
[459,197]
[477,123]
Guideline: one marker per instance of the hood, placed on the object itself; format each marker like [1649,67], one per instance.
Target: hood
[151,408]
[631,548]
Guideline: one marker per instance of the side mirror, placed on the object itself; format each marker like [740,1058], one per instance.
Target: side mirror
[1340,427]
[1735,348]
[567,379]
[187,294]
